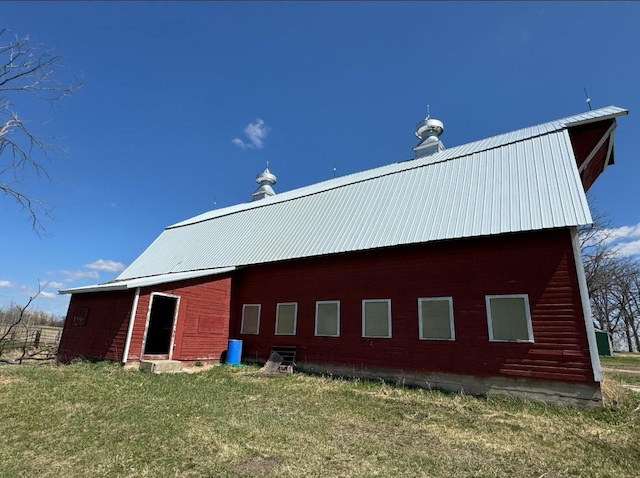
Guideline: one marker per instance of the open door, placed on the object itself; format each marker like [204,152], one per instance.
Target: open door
[162,314]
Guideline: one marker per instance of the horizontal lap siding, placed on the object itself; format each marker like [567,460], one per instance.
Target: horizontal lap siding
[105,331]
[538,264]
[203,318]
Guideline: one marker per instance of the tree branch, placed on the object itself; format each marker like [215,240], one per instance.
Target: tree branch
[34,69]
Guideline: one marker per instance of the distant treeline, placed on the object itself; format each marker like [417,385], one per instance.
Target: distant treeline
[10,314]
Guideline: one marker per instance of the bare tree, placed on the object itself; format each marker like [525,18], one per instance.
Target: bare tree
[27,69]
[613,282]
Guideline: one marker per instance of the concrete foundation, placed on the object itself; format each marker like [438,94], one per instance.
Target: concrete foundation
[161,366]
[560,393]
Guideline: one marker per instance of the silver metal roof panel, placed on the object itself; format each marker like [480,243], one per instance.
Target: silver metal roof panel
[451,153]
[518,181]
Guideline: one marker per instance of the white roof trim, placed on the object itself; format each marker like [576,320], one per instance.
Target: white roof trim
[146,281]
[593,119]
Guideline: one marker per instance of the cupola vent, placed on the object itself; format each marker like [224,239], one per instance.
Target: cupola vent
[428,132]
[266,180]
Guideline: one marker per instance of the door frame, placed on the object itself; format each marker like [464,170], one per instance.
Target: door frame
[173,326]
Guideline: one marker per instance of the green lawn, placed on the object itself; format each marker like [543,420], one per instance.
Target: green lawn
[98,420]
[622,360]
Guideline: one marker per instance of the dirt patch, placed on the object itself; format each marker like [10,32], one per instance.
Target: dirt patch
[257,465]
[620,370]
[6,380]
[194,369]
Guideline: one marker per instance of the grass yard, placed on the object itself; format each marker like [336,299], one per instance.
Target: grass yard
[98,420]
[622,360]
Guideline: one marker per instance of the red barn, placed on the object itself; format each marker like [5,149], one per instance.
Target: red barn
[459,269]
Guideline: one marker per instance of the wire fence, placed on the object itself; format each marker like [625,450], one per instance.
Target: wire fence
[38,337]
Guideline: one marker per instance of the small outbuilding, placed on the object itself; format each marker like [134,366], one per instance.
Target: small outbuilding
[458,269]
[603,339]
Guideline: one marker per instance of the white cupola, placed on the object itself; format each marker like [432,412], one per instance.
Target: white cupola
[428,132]
[266,180]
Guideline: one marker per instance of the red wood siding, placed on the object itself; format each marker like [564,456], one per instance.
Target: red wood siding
[202,328]
[595,166]
[583,139]
[104,333]
[539,264]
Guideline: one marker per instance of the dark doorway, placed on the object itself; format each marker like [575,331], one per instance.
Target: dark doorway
[163,311]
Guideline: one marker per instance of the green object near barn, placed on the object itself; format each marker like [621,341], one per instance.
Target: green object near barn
[604,343]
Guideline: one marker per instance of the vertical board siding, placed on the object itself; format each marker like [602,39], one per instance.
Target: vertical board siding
[202,329]
[539,264]
[105,331]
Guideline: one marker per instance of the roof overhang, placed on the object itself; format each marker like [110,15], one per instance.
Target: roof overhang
[146,281]
[585,118]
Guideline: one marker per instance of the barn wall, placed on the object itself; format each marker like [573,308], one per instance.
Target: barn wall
[202,328]
[96,325]
[539,264]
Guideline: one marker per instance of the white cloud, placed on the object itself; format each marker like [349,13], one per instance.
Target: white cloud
[256,133]
[55,285]
[106,265]
[239,142]
[48,295]
[5,283]
[623,232]
[75,275]
[630,248]
[625,239]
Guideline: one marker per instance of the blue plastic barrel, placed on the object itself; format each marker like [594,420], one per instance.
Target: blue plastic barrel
[234,352]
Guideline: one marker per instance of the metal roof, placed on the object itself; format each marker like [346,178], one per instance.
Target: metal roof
[145,281]
[519,181]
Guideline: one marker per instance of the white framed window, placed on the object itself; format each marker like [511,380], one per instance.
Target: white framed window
[250,319]
[328,318]
[509,318]
[286,315]
[435,318]
[376,318]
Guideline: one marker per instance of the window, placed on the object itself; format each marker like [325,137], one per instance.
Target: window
[509,318]
[328,318]
[250,319]
[80,317]
[376,318]
[286,315]
[435,316]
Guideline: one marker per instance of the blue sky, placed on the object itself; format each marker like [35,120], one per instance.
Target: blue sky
[182,104]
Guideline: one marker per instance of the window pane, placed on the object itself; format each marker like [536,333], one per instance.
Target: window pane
[250,318]
[509,318]
[436,319]
[327,319]
[286,319]
[376,319]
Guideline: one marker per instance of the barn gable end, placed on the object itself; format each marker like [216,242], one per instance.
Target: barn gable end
[96,326]
[202,327]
